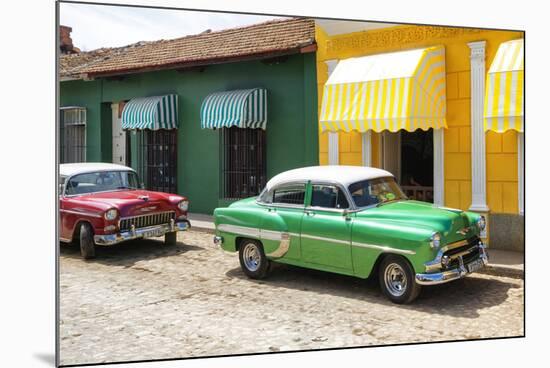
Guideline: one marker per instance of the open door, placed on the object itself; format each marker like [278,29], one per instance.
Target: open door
[119,136]
[409,156]
[391,153]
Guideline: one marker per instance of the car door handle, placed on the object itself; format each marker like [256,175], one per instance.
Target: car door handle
[309,213]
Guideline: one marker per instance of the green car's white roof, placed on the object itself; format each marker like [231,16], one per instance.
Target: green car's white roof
[344,175]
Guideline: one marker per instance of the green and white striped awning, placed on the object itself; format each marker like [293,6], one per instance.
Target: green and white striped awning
[245,108]
[154,113]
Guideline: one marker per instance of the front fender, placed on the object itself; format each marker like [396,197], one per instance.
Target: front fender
[371,239]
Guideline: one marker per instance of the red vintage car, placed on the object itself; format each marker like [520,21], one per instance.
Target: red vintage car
[103,204]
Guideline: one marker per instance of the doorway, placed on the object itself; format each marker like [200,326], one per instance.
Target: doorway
[409,156]
[119,137]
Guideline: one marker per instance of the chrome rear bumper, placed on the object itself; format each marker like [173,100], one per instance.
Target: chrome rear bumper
[456,273]
[144,232]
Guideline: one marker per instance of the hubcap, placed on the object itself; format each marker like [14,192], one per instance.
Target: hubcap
[251,256]
[395,279]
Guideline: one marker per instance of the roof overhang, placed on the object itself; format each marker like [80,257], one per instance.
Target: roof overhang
[308,48]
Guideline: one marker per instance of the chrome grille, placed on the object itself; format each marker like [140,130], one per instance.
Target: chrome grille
[146,220]
[469,252]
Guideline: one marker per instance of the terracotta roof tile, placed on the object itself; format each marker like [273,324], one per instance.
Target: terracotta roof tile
[272,37]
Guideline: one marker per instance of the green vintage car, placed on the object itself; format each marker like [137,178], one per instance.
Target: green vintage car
[354,221]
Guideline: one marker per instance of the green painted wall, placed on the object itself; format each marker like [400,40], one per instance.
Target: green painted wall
[292,139]
[98,116]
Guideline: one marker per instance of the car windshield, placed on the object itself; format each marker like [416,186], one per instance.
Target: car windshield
[375,192]
[101,181]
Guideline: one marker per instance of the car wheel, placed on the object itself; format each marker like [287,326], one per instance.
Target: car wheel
[170,238]
[87,246]
[253,260]
[397,280]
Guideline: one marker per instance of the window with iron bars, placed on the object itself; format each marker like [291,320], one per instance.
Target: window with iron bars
[156,160]
[72,134]
[243,162]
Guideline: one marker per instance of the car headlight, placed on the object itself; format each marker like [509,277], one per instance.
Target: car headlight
[183,205]
[435,241]
[111,214]
[481,223]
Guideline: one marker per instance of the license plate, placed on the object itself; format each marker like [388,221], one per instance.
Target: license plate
[153,233]
[475,265]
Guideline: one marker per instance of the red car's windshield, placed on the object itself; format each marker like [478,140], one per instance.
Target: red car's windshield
[101,181]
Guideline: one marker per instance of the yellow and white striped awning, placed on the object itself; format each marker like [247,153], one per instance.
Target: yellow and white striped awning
[504,89]
[392,91]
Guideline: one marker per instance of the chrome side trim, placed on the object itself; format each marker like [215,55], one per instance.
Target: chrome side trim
[331,240]
[278,235]
[284,245]
[383,248]
[64,240]
[282,237]
[240,230]
[272,235]
[85,213]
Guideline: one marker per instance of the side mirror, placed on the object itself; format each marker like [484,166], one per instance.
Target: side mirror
[60,189]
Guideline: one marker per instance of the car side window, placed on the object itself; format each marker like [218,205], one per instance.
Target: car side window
[266,196]
[291,194]
[328,196]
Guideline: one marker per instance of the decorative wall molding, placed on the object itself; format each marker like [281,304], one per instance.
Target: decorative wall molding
[333,158]
[333,148]
[398,36]
[439,167]
[521,173]
[477,83]
[367,148]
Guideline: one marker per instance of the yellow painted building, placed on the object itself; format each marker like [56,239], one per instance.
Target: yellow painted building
[339,41]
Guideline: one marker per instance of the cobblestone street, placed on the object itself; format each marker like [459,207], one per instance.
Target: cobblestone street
[145,300]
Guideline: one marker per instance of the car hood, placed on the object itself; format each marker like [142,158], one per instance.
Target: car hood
[134,202]
[452,224]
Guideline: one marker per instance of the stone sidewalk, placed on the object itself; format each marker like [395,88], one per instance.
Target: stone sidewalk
[501,262]
[143,300]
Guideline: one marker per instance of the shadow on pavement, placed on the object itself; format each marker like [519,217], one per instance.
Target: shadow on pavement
[47,358]
[460,298]
[128,253]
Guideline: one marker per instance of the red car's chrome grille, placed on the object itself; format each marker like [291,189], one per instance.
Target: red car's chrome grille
[146,220]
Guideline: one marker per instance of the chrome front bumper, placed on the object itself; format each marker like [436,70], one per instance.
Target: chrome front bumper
[461,271]
[144,232]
